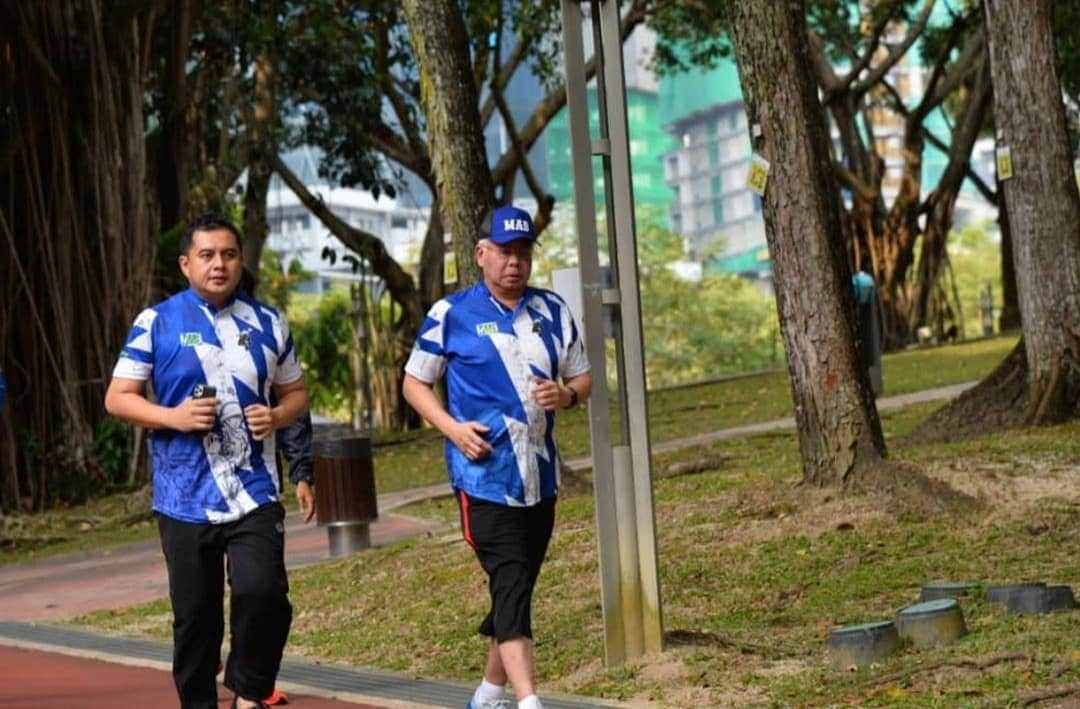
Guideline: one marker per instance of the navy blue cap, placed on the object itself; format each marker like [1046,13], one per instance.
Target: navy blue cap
[505,224]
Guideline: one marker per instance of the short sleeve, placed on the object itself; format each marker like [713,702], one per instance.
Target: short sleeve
[427,362]
[136,359]
[288,366]
[574,361]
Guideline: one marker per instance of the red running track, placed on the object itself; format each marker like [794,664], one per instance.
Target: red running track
[34,679]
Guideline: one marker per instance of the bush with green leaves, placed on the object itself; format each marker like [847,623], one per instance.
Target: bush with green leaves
[323,333]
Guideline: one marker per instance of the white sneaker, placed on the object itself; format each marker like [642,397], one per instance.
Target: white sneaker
[493,704]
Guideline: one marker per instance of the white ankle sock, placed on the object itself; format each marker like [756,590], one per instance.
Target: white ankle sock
[488,692]
[530,702]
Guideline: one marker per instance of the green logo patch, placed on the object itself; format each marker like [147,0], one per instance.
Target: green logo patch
[190,339]
[487,329]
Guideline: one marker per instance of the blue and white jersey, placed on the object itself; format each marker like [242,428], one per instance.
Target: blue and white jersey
[242,349]
[490,356]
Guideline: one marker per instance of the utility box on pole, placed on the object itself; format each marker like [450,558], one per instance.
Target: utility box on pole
[622,476]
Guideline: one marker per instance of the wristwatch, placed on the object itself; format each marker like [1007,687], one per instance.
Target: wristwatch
[573,397]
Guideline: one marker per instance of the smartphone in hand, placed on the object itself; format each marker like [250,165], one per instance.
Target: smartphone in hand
[203,391]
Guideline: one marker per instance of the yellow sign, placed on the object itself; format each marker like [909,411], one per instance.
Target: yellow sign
[1004,162]
[449,268]
[758,176]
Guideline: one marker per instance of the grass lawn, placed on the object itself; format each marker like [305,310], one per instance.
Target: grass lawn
[755,571]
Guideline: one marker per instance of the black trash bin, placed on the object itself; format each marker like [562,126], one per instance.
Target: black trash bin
[345,492]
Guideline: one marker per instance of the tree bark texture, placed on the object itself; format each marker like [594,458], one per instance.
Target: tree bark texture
[1044,207]
[75,233]
[174,150]
[261,127]
[839,430]
[448,93]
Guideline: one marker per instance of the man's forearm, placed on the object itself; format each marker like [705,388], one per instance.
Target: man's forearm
[137,409]
[422,397]
[290,404]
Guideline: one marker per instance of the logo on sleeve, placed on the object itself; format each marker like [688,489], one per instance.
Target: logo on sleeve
[190,339]
[487,329]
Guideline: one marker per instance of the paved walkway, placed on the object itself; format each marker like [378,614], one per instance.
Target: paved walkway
[100,670]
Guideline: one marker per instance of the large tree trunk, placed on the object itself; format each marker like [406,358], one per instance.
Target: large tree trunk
[839,431]
[449,95]
[1044,207]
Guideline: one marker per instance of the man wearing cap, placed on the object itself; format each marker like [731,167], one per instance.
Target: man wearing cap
[512,356]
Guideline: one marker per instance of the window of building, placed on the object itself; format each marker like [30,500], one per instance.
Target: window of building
[714,155]
[716,185]
[398,222]
[718,211]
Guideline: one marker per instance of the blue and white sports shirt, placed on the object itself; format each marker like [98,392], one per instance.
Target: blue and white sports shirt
[242,349]
[490,355]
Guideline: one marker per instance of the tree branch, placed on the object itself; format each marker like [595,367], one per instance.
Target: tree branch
[399,282]
[554,102]
[849,180]
[896,52]
[875,40]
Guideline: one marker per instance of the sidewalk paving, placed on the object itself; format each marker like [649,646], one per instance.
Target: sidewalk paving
[63,587]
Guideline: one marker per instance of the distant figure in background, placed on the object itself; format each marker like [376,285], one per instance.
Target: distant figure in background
[3,390]
[215,358]
[512,356]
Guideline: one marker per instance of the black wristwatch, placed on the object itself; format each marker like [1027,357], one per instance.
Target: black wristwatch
[573,397]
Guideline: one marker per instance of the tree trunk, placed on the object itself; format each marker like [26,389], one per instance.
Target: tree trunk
[449,96]
[174,150]
[431,259]
[839,432]
[1044,207]
[1010,301]
[261,129]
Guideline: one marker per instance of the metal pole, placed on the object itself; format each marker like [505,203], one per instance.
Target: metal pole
[632,381]
[592,287]
[622,483]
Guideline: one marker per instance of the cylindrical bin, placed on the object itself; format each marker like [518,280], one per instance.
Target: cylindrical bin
[931,623]
[1040,599]
[861,645]
[1001,594]
[345,492]
[948,589]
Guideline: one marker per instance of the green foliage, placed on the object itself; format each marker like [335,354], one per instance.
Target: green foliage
[323,333]
[276,284]
[976,264]
[693,330]
[112,448]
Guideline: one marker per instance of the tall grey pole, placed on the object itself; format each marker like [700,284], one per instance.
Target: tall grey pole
[622,476]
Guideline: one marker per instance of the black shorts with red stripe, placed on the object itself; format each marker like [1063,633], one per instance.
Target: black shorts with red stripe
[510,543]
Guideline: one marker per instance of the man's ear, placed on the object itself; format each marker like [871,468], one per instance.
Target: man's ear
[182,261]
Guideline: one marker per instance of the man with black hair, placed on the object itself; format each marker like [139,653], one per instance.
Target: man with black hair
[215,359]
[512,356]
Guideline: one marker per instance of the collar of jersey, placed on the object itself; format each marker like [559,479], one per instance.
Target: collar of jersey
[195,298]
[482,291]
